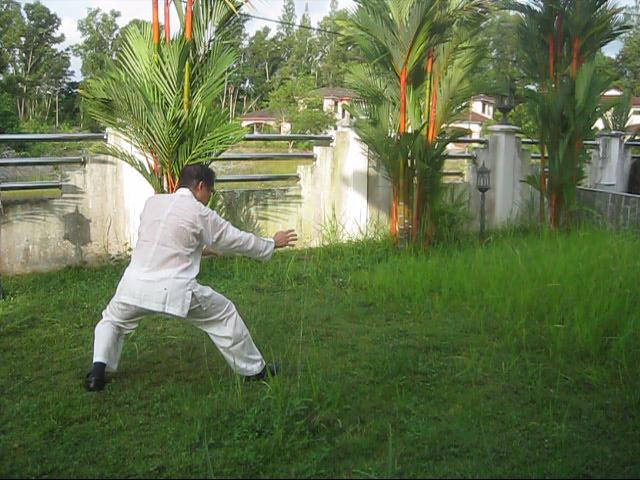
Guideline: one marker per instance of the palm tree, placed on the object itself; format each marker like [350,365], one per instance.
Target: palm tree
[616,113]
[448,85]
[404,43]
[559,40]
[163,98]
[392,34]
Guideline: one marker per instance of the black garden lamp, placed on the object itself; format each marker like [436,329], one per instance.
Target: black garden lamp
[483,184]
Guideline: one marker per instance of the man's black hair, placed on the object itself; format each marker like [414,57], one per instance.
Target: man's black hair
[191,175]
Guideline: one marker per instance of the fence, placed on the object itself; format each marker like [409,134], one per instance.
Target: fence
[91,209]
[611,209]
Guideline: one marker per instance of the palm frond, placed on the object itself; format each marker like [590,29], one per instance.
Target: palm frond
[141,98]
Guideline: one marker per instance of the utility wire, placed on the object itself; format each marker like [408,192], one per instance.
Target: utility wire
[291,24]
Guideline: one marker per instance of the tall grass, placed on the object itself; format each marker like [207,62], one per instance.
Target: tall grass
[570,295]
[519,358]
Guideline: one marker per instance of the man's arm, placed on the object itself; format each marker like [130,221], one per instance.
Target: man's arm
[223,238]
[285,238]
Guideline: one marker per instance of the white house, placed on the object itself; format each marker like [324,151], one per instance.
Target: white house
[335,100]
[633,124]
[261,118]
[481,109]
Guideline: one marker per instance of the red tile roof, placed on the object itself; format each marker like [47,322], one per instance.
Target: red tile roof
[483,97]
[263,115]
[635,101]
[336,92]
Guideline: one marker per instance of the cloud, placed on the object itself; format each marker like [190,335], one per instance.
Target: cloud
[69,27]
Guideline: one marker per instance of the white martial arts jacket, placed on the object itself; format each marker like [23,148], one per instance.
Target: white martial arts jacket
[174,228]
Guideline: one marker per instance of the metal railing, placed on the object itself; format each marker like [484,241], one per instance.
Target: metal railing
[468,140]
[225,157]
[461,156]
[43,161]
[286,138]
[52,137]
[40,161]
[39,185]
[254,157]
[80,137]
[268,177]
[452,173]
[533,141]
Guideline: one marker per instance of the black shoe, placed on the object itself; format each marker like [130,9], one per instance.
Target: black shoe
[269,370]
[94,384]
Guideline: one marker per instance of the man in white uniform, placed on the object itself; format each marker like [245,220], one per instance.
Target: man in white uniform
[161,278]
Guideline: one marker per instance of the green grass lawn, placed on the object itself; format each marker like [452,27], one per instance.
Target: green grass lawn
[42,194]
[520,359]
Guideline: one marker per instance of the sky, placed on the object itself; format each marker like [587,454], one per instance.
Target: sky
[70,11]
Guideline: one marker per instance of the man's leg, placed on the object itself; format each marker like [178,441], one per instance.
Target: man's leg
[218,317]
[118,319]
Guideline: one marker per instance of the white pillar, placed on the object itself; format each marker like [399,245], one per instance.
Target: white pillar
[610,165]
[509,165]
[334,188]
[135,190]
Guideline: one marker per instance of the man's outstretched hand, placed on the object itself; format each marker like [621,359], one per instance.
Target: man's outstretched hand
[285,238]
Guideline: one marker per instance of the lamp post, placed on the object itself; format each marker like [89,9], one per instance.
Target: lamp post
[483,184]
[505,105]
[506,102]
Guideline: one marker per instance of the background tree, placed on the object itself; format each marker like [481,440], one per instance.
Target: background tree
[335,58]
[99,32]
[235,85]
[304,57]
[285,39]
[260,62]
[628,60]
[11,25]
[39,68]
[497,43]
[299,102]
[34,70]
[608,67]
[268,60]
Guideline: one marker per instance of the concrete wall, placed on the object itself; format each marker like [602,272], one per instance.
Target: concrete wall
[509,198]
[89,222]
[98,214]
[335,198]
[341,195]
[610,164]
[335,189]
[613,209]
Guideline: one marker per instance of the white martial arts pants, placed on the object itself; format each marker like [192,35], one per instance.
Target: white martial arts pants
[209,311]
